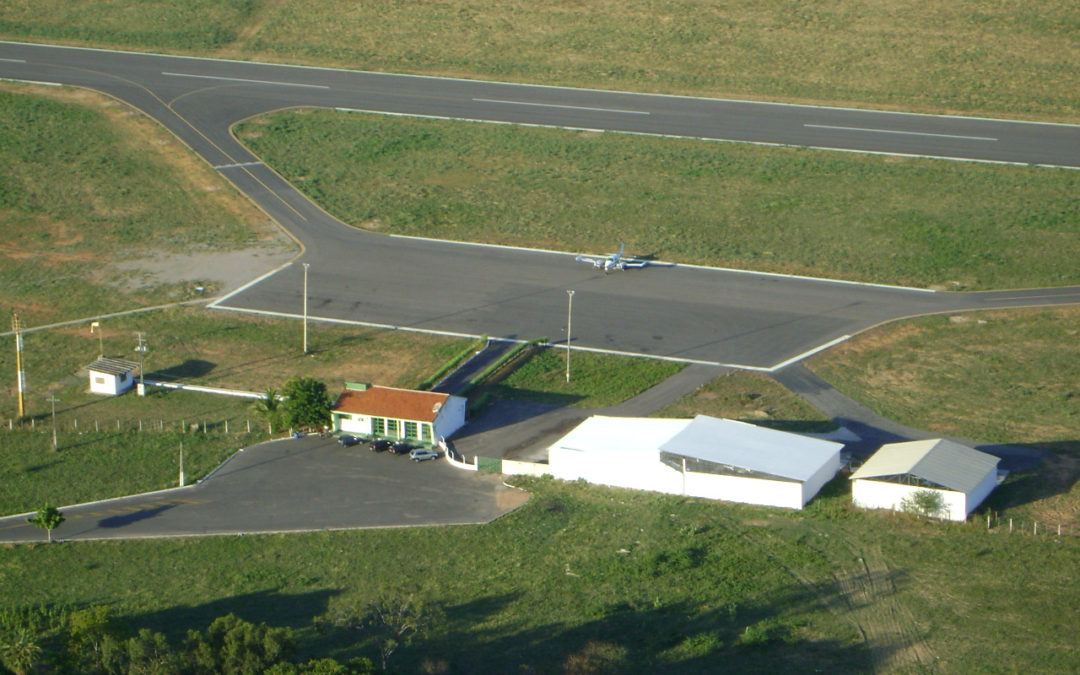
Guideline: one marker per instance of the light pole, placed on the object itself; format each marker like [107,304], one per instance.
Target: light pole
[181,464]
[305,307]
[142,348]
[569,316]
[53,399]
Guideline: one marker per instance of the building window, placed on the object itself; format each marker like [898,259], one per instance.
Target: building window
[378,426]
[99,380]
[425,432]
[410,430]
[391,427]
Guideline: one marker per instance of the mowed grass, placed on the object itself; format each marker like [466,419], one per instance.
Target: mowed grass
[890,220]
[649,583]
[596,380]
[1019,58]
[86,183]
[751,397]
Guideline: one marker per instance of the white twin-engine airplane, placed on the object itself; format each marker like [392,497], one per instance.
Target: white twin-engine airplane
[615,261]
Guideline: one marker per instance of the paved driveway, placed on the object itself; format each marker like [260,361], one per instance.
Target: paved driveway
[292,485]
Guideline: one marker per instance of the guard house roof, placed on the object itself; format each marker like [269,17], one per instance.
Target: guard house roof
[405,404]
[112,366]
[748,446]
[938,461]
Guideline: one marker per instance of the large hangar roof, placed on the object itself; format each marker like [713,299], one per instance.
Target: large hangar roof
[945,463]
[621,435]
[748,446]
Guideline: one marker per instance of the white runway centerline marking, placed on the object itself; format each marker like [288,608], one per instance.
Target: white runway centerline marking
[564,107]
[219,167]
[246,81]
[905,133]
[14,60]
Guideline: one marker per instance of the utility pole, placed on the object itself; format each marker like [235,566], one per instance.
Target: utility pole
[52,399]
[305,307]
[101,338]
[181,464]
[142,349]
[21,374]
[569,315]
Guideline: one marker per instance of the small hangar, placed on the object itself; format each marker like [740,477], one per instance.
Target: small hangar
[703,457]
[963,476]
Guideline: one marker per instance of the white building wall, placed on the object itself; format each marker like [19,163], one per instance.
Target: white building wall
[873,494]
[451,417]
[354,424]
[105,383]
[745,490]
[981,491]
[813,485]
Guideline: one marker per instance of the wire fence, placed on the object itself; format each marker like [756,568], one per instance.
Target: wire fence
[193,426]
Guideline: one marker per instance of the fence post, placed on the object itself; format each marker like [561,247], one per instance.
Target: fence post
[118,424]
[1010,525]
[988,521]
[96,427]
[1059,529]
[226,426]
[140,424]
[76,424]
[1036,524]
[249,426]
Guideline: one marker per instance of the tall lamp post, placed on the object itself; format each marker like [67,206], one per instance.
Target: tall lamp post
[569,315]
[142,349]
[53,400]
[306,265]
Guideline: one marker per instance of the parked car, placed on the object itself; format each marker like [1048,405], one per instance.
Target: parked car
[401,448]
[380,445]
[422,455]
[347,440]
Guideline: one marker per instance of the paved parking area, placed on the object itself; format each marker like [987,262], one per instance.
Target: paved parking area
[288,486]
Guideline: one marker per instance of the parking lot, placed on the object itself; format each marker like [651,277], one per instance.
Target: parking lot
[293,485]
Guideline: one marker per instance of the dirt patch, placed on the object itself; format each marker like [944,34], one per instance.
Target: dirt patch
[217,272]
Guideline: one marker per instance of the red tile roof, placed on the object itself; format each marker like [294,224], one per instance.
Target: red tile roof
[404,404]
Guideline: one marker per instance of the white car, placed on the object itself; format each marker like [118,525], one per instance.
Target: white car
[422,455]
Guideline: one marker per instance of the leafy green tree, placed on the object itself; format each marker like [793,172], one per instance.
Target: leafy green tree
[306,403]
[269,409]
[47,518]
[928,503]
[93,640]
[149,653]
[233,646]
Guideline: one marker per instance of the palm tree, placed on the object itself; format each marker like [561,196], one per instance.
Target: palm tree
[268,408]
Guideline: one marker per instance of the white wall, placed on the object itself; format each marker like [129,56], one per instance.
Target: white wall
[813,485]
[451,417]
[874,494]
[514,467]
[645,471]
[356,424]
[111,384]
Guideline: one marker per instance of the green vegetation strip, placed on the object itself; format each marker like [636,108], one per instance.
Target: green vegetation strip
[888,220]
[648,583]
[941,55]
[455,361]
[596,380]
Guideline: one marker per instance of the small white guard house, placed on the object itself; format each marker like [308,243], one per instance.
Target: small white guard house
[111,376]
[962,475]
[704,457]
[406,414]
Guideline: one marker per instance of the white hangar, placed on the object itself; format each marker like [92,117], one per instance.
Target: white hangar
[961,475]
[703,457]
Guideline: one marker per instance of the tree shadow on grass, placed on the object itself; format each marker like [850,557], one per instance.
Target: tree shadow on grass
[683,637]
[272,607]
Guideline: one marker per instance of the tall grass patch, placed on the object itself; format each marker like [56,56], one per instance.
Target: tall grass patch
[891,220]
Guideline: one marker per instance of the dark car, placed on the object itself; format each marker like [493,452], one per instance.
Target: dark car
[380,445]
[401,448]
[349,440]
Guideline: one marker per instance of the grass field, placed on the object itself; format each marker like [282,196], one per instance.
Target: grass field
[751,397]
[596,380]
[651,583]
[87,187]
[1019,58]
[891,220]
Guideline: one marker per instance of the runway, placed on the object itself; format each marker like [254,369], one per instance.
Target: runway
[684,313]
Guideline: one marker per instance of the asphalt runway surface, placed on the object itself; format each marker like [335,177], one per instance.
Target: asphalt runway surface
[293,485]
[710,316]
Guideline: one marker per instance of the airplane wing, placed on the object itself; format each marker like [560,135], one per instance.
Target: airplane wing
[634,263]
